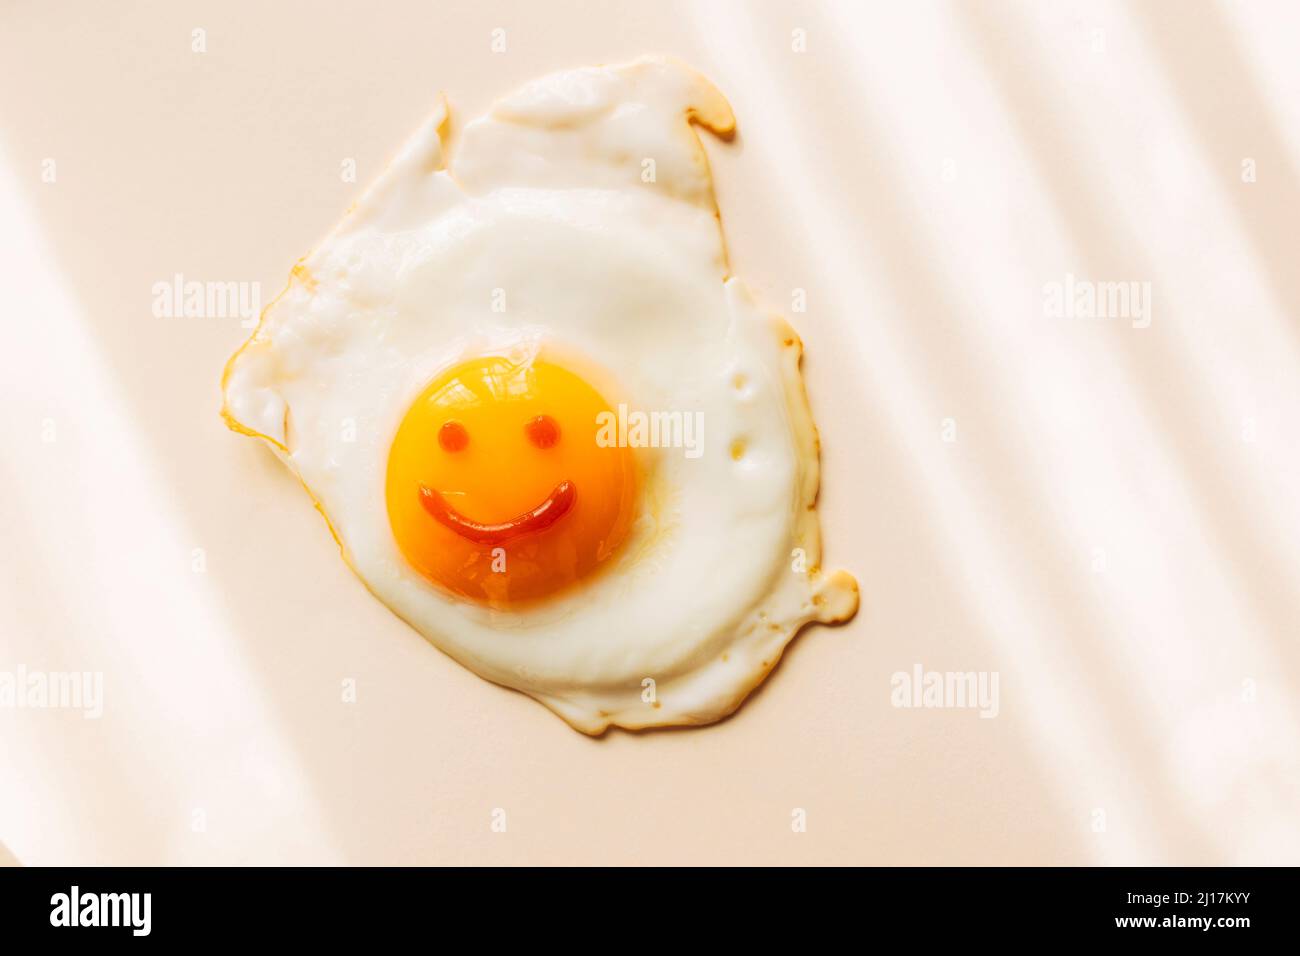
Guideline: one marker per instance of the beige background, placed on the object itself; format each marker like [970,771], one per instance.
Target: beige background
[1113,531]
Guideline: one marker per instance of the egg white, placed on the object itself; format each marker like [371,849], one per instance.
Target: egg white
[547,232]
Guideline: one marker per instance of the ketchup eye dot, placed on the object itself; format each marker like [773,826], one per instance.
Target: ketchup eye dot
[543,431]
[452,436]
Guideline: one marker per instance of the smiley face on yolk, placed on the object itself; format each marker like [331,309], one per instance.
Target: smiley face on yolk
[497,489]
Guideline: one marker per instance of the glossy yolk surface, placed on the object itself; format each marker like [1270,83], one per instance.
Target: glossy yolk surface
[497,489]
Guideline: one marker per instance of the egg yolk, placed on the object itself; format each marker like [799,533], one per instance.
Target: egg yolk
[498,490]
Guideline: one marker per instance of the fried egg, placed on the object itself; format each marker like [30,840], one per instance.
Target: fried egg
[546,425]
